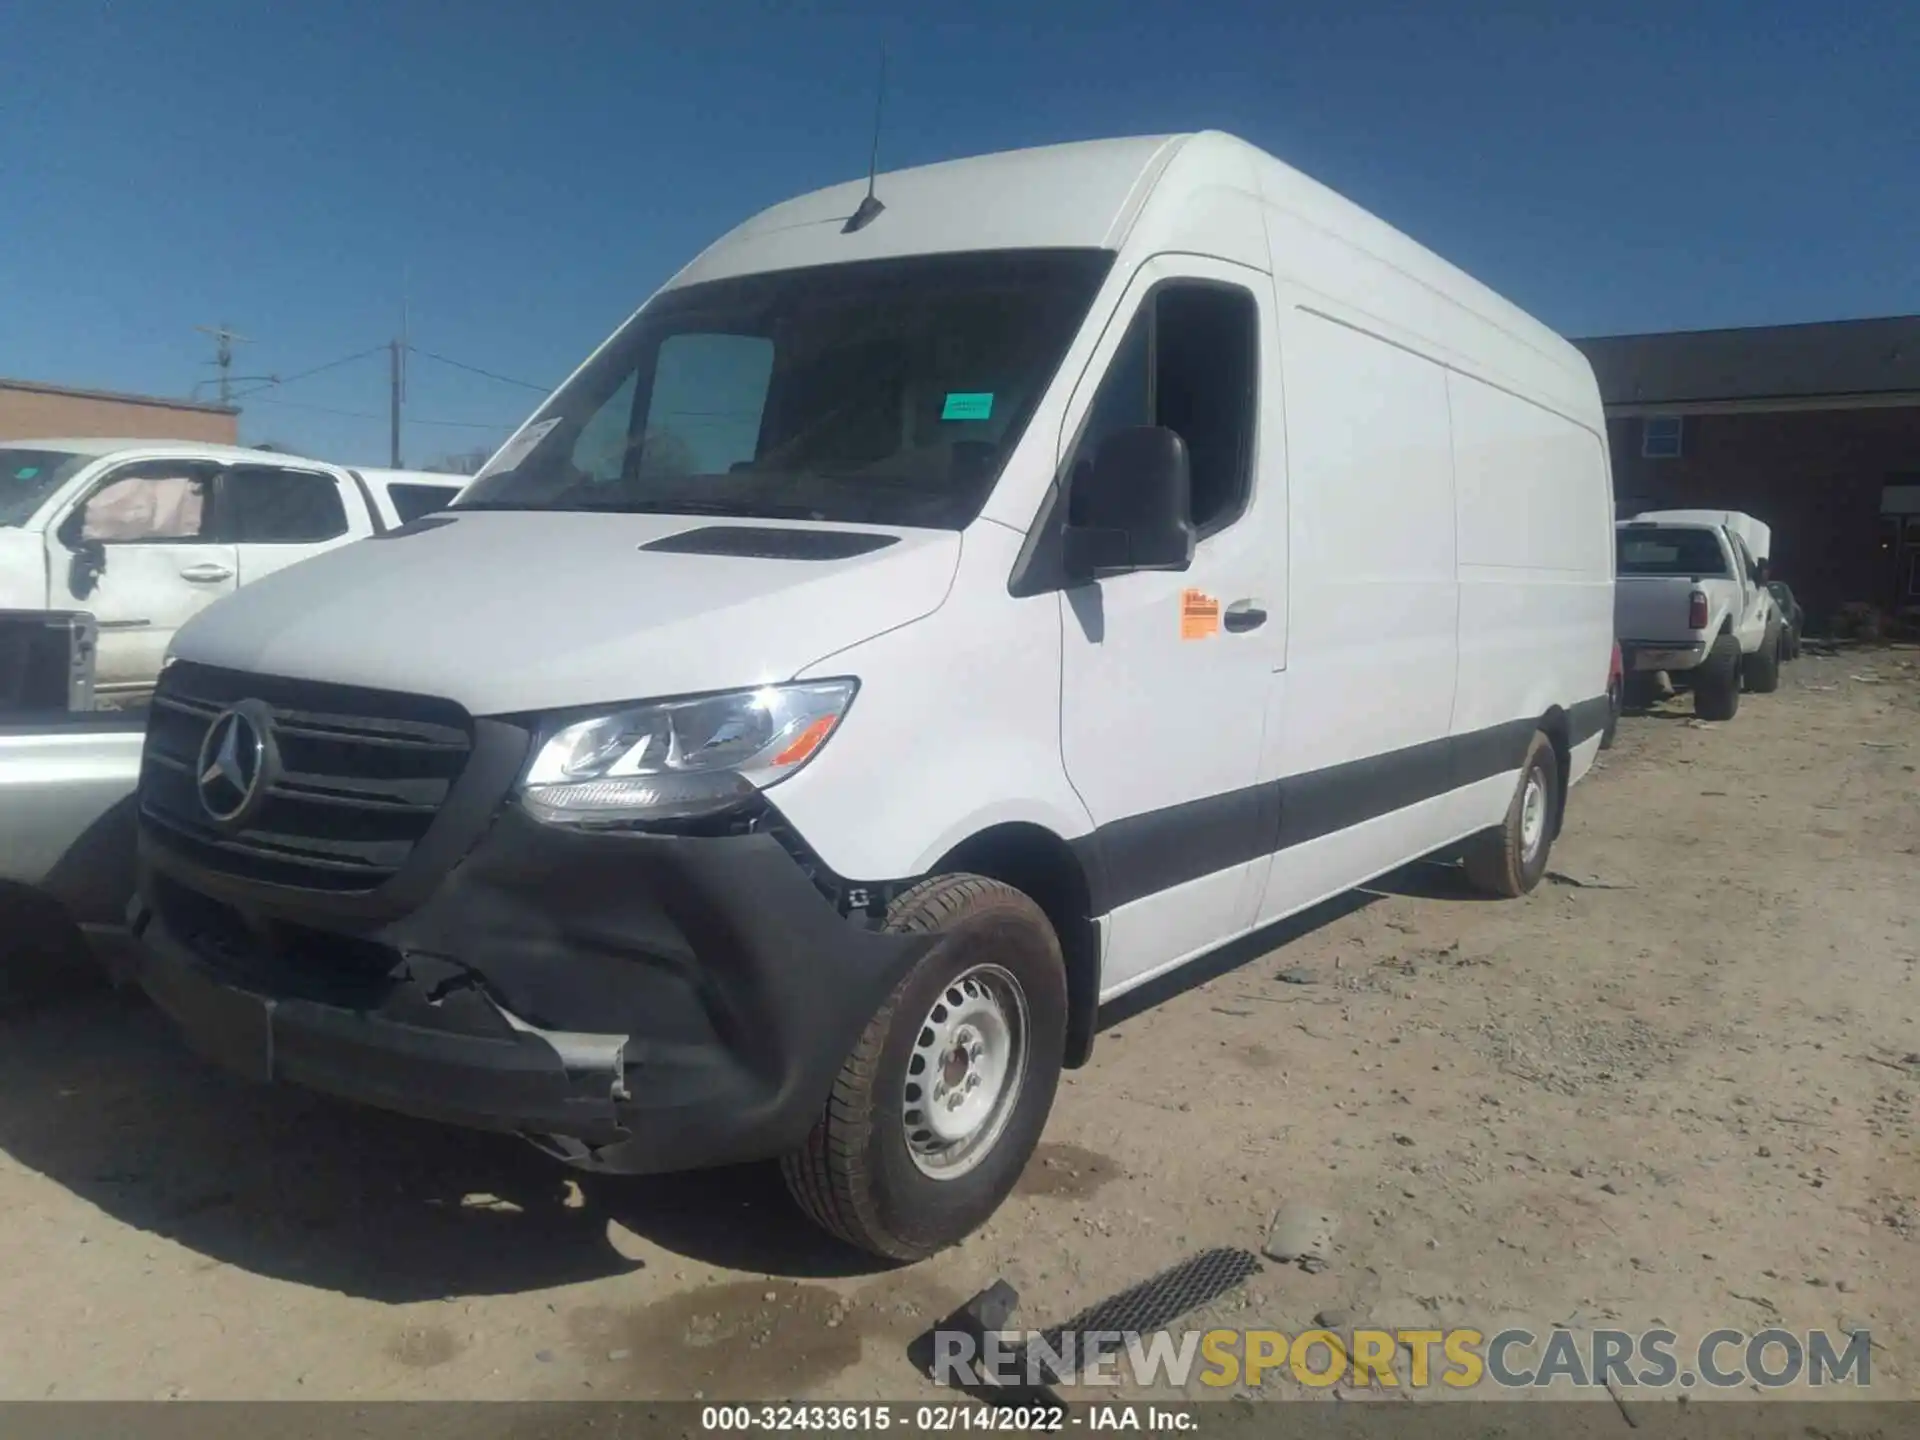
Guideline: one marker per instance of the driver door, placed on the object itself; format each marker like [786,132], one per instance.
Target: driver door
[138,553]
[1166,674]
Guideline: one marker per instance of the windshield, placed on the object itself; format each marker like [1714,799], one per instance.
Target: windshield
[883,392]
[1657,550]
[28,477]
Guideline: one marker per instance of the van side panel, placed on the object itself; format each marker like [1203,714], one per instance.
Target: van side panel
[1372,600]
[1536,563]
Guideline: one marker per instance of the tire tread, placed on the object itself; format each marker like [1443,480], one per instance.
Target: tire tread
[827,1175]
[1716,684]
[1494,860]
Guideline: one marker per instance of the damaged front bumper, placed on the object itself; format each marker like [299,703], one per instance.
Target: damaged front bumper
[632,1003]
[517,1077]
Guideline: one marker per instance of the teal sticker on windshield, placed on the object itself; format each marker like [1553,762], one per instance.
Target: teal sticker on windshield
[963,405]
[26,472]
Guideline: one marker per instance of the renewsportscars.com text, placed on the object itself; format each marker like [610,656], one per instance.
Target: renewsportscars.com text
[1459,1359]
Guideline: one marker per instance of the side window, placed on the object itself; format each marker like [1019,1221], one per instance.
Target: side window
[156,500]
[1742,556]
[410,502]
[284,507]
[600,452]
[709,394]
[1124,400]
[1189,362]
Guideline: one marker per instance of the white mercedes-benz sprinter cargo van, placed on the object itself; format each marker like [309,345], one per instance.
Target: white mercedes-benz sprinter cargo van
[920,623]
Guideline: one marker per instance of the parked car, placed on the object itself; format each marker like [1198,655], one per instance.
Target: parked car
[67,835]
[403,496]
[146,534]
[1689,600]
[1793,619]
[1616,697]
[799,786]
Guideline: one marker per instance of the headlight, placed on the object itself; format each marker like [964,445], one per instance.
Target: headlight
[679,758]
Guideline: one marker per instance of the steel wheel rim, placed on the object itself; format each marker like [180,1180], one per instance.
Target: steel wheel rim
[965,1072]
[1533,814]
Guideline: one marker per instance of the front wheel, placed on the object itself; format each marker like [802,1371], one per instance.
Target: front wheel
[939,1107]
[1509,859]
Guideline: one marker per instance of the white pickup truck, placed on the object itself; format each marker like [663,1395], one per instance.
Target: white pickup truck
[146,534]
[1691,599]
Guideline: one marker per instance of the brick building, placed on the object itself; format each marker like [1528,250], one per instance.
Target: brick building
[30,410]
[1814,429]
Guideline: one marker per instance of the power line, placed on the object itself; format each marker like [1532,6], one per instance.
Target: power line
[303,374]
[476,370]
[463,424]
[369,415]
[320,409]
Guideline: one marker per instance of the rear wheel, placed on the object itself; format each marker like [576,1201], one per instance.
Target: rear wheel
[1616,695]
[1761,670]
[939,1107]
[1509,859]
[1716,683]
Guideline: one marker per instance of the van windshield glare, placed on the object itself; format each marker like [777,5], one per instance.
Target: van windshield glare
[880,392]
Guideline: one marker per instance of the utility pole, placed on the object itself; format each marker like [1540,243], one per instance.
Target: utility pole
[224,338]
[398,349]
[398,383]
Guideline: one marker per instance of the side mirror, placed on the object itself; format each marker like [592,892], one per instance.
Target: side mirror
[73,529]
[84,569]
[1134,510]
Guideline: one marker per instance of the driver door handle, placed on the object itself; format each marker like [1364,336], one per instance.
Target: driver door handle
[1245,615]
[207,573]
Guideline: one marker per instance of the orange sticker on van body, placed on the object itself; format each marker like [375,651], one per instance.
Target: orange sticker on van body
[1199,615]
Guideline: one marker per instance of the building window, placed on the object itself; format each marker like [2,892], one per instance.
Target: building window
[1660,438]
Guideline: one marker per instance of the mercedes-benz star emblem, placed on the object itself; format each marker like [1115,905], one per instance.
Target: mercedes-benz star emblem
[233,763]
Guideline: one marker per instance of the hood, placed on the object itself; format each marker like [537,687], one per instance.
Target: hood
[515,611]
[23,569]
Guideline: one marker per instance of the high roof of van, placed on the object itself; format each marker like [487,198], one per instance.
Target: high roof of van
[1092,194]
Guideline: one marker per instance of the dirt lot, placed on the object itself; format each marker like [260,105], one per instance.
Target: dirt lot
[1675,1086]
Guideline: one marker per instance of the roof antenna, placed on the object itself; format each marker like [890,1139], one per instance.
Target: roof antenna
[870,207]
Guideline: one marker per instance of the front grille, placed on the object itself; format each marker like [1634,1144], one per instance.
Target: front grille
[362,774]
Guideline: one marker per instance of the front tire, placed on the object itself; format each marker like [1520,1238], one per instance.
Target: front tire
[1509,859]
[939,1107]
[1716,684]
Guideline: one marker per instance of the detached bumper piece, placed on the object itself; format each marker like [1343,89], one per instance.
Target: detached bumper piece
[481,1067]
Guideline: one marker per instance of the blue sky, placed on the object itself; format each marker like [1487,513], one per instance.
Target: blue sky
[526,174]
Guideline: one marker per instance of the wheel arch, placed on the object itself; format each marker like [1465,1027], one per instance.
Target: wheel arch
[1043,866]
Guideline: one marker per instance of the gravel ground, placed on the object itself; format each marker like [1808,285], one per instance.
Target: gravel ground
[1674,1086]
